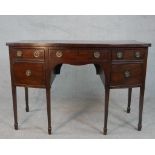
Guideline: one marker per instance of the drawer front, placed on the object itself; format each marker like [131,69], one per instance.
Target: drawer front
[29,53]
[126,74]
[128,54]
[94,54]
[80,54]
[32,74]
[63,54]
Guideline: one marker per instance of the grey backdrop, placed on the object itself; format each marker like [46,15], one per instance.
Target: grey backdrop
[77,94]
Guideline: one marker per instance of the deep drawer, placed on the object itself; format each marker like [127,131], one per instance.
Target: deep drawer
[32,74]
[126,74]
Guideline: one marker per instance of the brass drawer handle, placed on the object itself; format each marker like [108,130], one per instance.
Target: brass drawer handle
[97,55]
[119,55]
[19,53]
[127,74]
[28,72]
[36,53]
[59,54]
[137,54]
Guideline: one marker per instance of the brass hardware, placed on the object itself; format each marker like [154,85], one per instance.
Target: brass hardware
[36,53]
[59,54]
[127,74]
[97,54]
[28,72]
[137,55]
[119,55]
[19,53]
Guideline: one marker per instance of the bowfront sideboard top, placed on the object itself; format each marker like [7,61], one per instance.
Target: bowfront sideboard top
[79,43]
[120,64]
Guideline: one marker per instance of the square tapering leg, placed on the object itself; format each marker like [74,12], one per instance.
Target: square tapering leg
[14,96]
[129,100]
[26,99]
[48,96]
[107,91]
[141,103]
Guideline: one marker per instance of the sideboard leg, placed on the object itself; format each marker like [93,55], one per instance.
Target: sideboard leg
[14,96]
[48,96]
[107,91]
[141,102]
[26,99]
[129,99]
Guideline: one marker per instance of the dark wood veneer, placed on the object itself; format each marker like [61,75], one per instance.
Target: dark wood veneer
[120,64]
[129,54]
[36,78]
[118,74]
[28,54]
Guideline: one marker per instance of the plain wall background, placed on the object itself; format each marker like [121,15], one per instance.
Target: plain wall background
[75,81]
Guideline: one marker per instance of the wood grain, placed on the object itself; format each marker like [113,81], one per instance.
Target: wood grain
[127,72]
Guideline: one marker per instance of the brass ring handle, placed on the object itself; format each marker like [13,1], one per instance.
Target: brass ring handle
[97,54]
[28,72]
[19,53]
[119,55]
[59,54]
[127,74]
[137,54]
[36,53]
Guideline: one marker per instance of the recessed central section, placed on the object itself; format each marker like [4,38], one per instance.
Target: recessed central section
[58,67]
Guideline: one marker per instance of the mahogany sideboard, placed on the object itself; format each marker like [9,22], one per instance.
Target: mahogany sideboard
[120,64]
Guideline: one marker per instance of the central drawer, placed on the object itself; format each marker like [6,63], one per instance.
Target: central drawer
[30,74]
[96,54]
[80,54]
[63,54]
[126,74]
